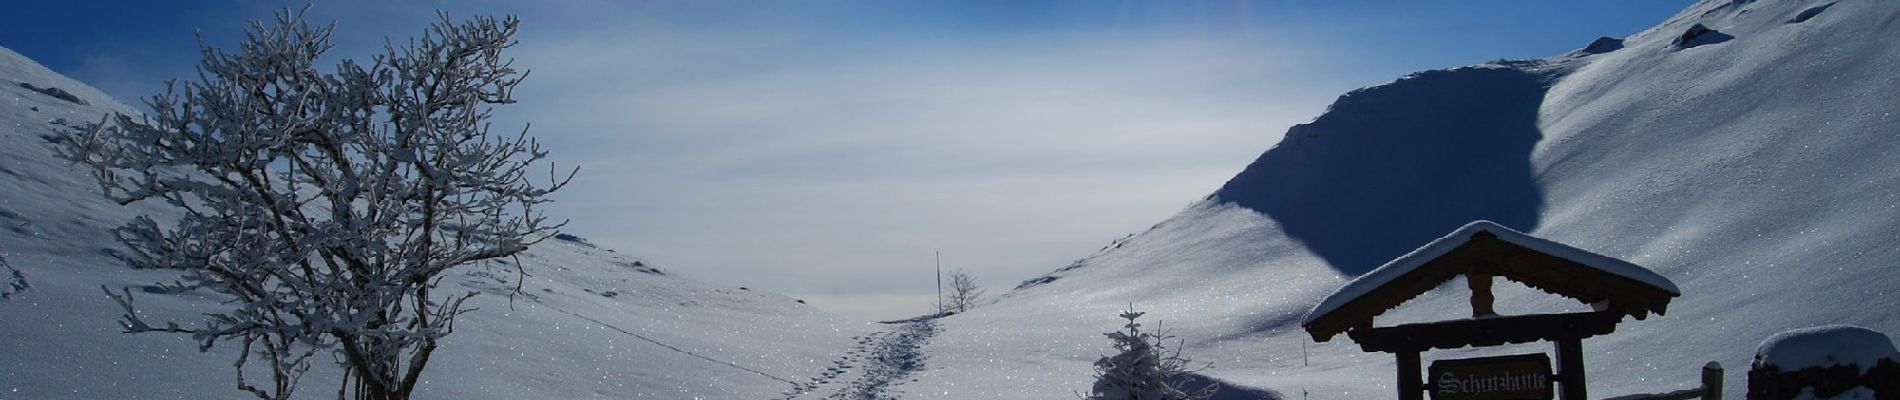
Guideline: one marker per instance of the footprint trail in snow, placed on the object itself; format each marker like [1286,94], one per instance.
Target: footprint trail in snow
[874,366]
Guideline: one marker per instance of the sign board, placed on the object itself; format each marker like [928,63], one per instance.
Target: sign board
[1514,377]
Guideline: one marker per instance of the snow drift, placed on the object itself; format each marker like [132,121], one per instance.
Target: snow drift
[1826,346]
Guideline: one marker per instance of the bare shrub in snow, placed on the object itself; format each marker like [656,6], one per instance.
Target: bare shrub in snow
[12,282]
[1143,368]
[327,204]
[963,292]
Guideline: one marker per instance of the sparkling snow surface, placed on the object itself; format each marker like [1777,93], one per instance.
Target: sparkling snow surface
[1757,166]
[1760,174]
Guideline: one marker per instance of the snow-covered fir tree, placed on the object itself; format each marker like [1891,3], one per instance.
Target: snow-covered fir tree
[327,204]
[1143,368]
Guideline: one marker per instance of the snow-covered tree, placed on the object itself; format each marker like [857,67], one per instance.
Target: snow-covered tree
[963,292]
[1142,368]
[327,205]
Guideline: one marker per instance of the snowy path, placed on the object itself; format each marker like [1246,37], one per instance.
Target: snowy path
[872,368]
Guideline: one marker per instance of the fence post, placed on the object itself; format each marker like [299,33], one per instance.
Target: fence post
[1712,381]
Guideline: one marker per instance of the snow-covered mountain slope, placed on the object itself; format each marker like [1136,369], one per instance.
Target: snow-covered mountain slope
[591,324]
[1747,150]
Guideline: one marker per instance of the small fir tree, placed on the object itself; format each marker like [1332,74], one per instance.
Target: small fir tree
[1142,368]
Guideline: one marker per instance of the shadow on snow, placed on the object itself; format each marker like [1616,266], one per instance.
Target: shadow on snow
[1390,167]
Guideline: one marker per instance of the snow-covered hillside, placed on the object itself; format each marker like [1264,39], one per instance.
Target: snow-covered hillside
[592,323]
[1747,150]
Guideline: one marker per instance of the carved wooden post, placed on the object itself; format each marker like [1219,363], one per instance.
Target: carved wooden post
[1481,298]
[1570,369]
[1410,385]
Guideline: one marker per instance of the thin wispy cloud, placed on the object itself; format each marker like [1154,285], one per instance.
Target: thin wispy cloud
[840,174]
[827,149]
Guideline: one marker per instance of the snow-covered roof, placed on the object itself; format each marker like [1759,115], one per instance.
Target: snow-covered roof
[1826,346]
[1407,264]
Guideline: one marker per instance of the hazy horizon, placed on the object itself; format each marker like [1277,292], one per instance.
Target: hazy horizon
[826,150]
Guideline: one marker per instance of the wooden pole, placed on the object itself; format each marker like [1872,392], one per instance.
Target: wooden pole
[1481,297]
[1410,387]
[1570,369]
[939,283]
[1712,381]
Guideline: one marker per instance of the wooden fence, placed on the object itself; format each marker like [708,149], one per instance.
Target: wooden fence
[1711,388]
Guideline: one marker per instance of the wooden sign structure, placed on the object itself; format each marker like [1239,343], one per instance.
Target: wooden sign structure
[1523,376]
[1481,251]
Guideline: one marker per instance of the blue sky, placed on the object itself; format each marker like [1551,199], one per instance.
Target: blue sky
[825,149]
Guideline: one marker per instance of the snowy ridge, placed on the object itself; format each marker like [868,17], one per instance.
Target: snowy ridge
[18,72]
[1753,161]
[589,323]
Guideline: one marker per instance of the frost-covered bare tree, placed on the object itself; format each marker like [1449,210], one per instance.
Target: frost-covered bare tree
[963,292]
[1143,368]
[328,205]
